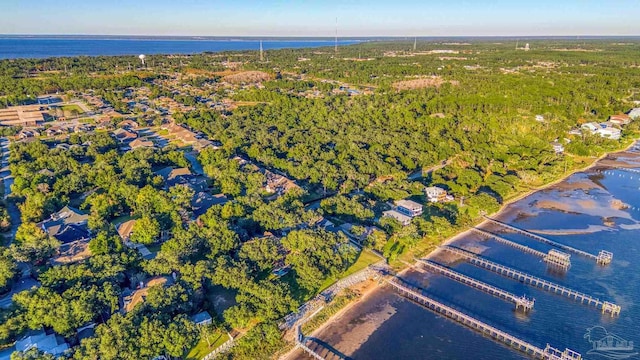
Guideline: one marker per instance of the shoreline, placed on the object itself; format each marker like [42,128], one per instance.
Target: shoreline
[373,287]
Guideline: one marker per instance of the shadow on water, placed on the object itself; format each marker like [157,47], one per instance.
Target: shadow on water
[329,348]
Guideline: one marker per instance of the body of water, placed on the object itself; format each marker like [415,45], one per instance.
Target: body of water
[39,47]
[584,212]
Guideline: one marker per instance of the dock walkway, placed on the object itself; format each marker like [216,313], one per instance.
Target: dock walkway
[605,306]
[603,257]
[521,302]
[548,353]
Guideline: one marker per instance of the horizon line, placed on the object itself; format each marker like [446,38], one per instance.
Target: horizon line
[324,37]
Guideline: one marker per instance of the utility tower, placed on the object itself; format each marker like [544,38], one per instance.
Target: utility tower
[336,43]
[261,52]
[415,43]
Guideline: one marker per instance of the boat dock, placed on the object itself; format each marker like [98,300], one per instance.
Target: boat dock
[548,353]
[603,257]
[302,341]
[605,306]
[554,257]
[521,302]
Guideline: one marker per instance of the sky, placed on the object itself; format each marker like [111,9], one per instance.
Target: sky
[317,18]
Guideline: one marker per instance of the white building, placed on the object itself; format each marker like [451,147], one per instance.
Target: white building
[409,208]
[609,133]
[402,218]
[634,113]
[592,126]
[435,194]
[557,147]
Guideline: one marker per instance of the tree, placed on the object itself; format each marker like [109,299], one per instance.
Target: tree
[146,230]
[317,255]
[8,268]
[33,244]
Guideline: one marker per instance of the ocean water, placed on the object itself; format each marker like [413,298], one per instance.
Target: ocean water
[39,47]
[589,220]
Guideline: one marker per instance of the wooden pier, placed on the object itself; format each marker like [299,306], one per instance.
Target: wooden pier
[521,302]
[605,306]
[603,257]
[548,352]
[301,342]
[554,258]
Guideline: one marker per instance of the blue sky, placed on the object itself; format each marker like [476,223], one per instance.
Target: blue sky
[317,17]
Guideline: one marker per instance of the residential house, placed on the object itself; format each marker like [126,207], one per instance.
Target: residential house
[436,194]
[67,225]
[124,136]
[620,119]
[409,208]
[54,130]
[25,134]
[130,299]
[173,176]
[557,147]
[202,318]
[634,113]
[609,133]
[591,126]
[48,343]
[125,229]
[128,124]
[139,143]
[402,218]
[540,118]
[203,201]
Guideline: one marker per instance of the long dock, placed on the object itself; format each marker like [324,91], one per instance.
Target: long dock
[521,302]
[553,257]
[605,306]
[548,352]
[301,342]
[603,257]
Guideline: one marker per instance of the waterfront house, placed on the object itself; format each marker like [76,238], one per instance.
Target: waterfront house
[401,218]
[590,126]
[620,119]
[436,194]
[609,133]
[409,208]
[557,147]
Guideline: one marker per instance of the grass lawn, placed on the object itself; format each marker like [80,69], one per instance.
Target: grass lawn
[202,348]
[69,108]
[365,258]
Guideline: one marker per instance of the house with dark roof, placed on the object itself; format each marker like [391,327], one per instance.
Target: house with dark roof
[69,223]
[69,227]
[203,201]
[48,343]
[174,176]
[202,318]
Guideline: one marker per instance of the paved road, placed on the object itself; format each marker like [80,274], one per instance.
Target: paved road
[25,283]
[7,180]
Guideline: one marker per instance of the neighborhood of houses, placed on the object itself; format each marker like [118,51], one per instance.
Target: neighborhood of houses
[52,117]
